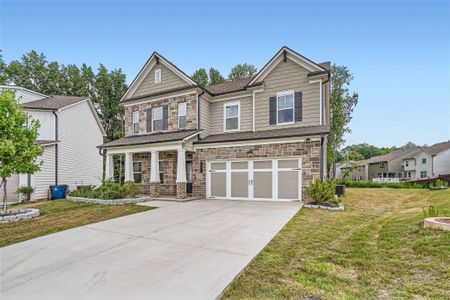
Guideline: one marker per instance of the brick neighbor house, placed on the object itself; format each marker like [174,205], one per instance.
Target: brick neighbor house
[258,138]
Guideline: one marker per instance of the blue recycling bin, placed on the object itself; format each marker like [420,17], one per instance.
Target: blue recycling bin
[58,191]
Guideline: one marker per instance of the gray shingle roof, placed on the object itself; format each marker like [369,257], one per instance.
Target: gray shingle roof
[150,138]
[437,148]
[54,102]
[266,134]
[229,86]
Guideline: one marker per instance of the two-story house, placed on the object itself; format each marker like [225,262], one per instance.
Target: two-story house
[70,131]
[428,162]
[261,138]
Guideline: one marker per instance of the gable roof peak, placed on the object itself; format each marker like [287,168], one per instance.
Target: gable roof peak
[282,55]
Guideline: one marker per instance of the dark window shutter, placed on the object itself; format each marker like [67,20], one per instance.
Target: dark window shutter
[273,110]
[298,106]
[149,120]
[165,117]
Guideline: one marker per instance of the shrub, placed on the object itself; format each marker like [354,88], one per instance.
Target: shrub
[372,184]
[323,192]
[430,212]
[131,189]
[84,191]
[110,190]
[25,192]
[439,184]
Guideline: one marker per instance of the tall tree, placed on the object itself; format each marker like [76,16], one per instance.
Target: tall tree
[108,90]
[215,77]
[342,103]
[105,88]
[241,71]
[201,77]
[3,76]
[18,132]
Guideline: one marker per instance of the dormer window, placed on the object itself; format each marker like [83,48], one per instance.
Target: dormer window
[157,76]
[135,122]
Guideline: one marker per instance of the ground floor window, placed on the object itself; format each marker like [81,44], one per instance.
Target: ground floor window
[137,171]
[423,174]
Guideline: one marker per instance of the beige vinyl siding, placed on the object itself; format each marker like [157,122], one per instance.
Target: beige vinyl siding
[284,77]
[216,110]
[169,81]
[204,117]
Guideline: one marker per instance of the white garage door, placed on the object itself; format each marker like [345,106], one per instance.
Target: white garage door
[259,179]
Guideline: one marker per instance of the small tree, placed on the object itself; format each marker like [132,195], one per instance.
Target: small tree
[215,77]
[18,133]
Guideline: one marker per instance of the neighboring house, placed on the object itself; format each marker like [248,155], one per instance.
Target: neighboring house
[354,170]
[70,131]
[429,162]
[262,137]
[404,164]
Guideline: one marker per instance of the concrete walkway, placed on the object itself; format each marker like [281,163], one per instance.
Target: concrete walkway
[189,250]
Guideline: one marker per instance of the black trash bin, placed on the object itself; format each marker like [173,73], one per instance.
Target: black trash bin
[340,190]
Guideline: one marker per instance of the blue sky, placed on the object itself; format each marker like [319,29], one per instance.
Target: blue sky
[398,51]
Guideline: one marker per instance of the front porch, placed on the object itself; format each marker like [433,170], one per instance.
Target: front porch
[162,172]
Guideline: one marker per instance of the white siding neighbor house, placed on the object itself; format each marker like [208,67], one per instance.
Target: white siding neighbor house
[70,131]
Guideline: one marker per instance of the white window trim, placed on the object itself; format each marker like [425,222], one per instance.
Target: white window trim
[225,105]
[153,118]
[138,117]
[284,93]
[179,115]
[160,76]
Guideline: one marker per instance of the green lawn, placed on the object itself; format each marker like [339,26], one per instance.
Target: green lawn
[61,215]
[376,249]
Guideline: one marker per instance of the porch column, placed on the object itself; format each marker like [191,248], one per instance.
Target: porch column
[129,167]
[181,174]
[154,174]
[109,167]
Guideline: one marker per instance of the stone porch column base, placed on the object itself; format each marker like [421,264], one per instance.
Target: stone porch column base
[154,189]
[181,190]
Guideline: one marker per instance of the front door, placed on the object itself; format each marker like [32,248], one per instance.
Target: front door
[189,177]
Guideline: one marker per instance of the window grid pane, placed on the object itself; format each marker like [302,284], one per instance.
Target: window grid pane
[232,123]
[182,109]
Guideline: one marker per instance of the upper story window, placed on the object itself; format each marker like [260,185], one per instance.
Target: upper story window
[407,163]
[381,165]
[135,121]
[285,107]
[157,118]
[182,115]
[231,116]
[157,76]
[424,160]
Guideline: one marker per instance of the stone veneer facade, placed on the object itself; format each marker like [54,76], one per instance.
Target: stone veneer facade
[310,153]
[172,121]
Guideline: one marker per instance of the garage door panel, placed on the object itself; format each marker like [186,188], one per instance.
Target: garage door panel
[262,185]
[218,184]
[239,184]
[288,185]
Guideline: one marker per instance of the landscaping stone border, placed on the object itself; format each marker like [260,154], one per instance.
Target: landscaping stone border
[111,201]
[24,214]
[339,208]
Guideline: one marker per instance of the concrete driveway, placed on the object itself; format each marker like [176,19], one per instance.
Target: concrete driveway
[189,250]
